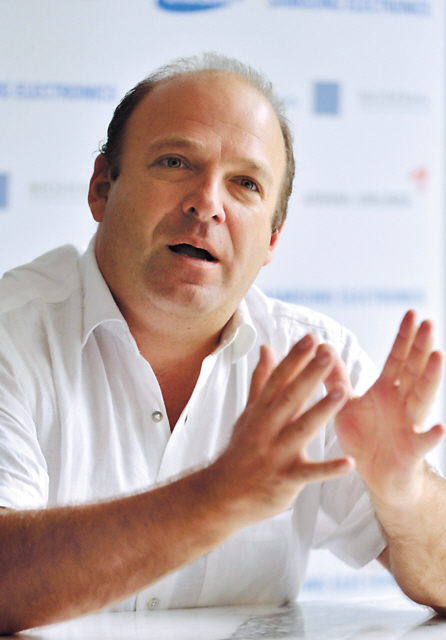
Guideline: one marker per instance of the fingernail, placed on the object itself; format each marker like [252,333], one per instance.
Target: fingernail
[323,358]
[346,466]
[336,394]
[305,343]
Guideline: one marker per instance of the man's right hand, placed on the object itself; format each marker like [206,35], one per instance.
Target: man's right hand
[266,465]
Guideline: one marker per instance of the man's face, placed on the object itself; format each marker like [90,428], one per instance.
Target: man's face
[186,226]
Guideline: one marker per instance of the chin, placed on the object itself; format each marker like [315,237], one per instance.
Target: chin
[190,302]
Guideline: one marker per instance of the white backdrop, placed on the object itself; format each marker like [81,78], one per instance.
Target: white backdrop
[364,85]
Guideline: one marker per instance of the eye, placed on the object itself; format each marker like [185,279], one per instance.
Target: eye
[172,162]
[249,184]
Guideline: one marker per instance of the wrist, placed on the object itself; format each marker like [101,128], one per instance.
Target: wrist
[405,502]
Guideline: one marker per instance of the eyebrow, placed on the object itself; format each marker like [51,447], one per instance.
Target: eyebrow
[175,141]
[184,142]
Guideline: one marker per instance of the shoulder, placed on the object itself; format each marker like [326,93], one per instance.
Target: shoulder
[282,324]
[271,314]
[50,278]
[40,319]
[38,300]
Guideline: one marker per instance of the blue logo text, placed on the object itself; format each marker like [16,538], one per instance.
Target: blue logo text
[192,5]
[3,191]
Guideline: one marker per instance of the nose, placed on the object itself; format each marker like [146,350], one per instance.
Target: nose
[205,200]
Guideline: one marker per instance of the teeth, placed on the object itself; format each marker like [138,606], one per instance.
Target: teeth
[192,252]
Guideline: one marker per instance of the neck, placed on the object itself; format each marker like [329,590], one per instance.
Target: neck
[165,337]
[175,351]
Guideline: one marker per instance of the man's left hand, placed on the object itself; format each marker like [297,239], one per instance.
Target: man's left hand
[383,430]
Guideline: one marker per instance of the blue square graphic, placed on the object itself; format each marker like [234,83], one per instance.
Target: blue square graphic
[326,98]
[3,191]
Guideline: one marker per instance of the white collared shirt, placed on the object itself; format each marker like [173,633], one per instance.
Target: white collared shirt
[82,418]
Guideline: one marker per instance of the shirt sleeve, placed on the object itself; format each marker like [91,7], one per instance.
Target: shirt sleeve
[23,471]
[347,524]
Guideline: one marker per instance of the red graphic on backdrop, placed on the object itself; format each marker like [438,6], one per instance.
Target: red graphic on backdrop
[419,178]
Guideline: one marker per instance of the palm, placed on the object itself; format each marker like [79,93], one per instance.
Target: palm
[382,429]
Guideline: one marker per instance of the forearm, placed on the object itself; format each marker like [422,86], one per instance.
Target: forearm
[416,535]
[59,563]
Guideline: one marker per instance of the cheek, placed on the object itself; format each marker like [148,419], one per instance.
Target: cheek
[162,192]
[133,210]
[252,231]
[252,249]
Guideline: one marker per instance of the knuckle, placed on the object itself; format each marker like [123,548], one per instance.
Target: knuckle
[288,396]
[305,472]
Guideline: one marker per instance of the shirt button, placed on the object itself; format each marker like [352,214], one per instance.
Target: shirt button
[157,416]
[153,603]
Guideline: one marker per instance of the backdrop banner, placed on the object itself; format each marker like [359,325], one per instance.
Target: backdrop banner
[363,81]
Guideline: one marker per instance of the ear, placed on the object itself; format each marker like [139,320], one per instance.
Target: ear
[100,184]
[272,244]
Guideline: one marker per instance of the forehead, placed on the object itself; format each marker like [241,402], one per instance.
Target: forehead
[212,107]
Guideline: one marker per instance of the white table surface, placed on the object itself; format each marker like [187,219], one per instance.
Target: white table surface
[373,618]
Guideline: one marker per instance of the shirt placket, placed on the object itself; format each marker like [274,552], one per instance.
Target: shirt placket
[179,441]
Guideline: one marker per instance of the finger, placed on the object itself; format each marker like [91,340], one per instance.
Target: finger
[290,367]
[428,440]
[401,347]
[321,471]
[338,376]
[291,401]
[298,434]
[417,358]
[267,363]
[420,400]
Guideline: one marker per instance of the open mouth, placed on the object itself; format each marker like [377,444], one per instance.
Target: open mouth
[192,252]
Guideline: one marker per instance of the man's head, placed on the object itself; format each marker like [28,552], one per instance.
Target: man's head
[186,217]
[112,148]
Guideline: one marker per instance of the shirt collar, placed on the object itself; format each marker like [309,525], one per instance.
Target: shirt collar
[100,307]
[239,332]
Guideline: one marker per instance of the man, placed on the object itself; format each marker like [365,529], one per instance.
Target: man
[139,401]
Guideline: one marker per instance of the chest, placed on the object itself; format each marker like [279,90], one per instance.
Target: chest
[107,431]
[177,386]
